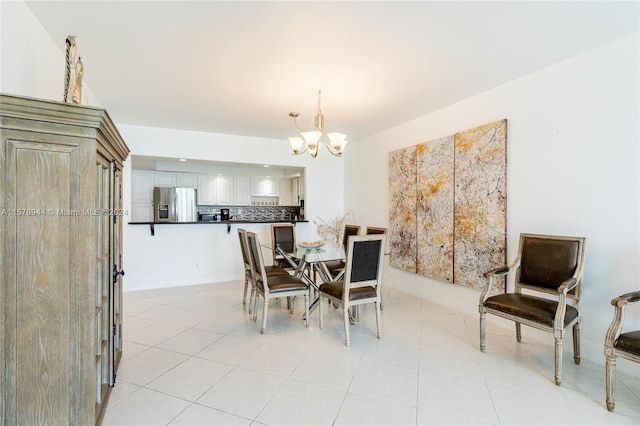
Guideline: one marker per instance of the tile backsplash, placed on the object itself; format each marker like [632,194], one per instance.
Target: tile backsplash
[258,213]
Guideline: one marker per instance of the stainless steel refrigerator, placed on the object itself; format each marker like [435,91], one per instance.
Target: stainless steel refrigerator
[174,205]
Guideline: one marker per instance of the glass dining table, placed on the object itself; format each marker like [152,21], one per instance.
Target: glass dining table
[309,264]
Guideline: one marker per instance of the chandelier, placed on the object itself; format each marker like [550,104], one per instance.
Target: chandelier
[311,140]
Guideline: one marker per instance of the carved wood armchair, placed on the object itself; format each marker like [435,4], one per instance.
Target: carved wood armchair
[625,345]
[549,269]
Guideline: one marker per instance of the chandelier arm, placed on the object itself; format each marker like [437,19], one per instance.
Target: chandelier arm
[296,122]
[306,148]
[329,147]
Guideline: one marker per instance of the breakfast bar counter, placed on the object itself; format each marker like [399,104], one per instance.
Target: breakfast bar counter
[222,222]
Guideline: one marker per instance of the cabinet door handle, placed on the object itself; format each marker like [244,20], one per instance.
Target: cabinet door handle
[116,273]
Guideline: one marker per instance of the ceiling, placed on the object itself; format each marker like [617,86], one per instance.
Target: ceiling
[240,67]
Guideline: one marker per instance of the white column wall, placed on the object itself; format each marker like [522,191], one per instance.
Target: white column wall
[573,169]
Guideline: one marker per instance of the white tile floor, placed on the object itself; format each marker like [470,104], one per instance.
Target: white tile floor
[193,356]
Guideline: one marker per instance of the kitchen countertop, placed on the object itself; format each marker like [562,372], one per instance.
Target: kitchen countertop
[213,222]
[223,222]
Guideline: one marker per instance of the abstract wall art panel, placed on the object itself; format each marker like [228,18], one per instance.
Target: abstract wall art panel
[403,223]
[435,209]
[448,206]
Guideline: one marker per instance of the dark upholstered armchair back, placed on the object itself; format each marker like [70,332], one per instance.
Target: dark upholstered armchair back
[548,263]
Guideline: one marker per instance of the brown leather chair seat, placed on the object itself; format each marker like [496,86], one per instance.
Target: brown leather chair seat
[536,309]
[629,342]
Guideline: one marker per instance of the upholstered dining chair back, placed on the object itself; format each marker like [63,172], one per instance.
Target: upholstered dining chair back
[549,268]
[284,236]
[374,230]
[349,230]
[364,263]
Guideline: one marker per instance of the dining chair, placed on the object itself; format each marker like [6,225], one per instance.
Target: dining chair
[336,266]
[249,279]
[550,267]
[274,286]
[283,235]
[362,279]
[625,345]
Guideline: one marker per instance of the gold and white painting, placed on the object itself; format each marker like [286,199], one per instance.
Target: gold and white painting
[403,225]
[448,205]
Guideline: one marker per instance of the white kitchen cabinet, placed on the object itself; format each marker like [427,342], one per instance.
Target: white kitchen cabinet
[301,185]
[164,179]
[264,186]
[242,191]
[206,190]
[224,190]
[286,193]
[184,180]
[142,183]
[215,190]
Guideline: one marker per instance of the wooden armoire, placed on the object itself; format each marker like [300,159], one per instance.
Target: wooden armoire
[61,218]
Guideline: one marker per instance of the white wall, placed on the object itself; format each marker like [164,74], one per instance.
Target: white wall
[573,169]
[32,63]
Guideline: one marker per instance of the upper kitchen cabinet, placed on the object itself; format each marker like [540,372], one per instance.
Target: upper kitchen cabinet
[265,186]
[186,180]
[287,196]
[242,191]
[215,190]
[60,257]
[164,179]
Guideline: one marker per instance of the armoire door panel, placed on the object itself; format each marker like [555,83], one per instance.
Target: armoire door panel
[44,205]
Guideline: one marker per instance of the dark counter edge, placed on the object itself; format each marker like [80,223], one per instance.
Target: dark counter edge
[224,222]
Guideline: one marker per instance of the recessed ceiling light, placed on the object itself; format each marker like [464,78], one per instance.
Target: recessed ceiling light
[183,159]
[266,165]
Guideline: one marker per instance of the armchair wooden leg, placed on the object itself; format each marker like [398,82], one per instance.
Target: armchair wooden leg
[321,312]
[346,325]
[576,343]
[483,325]
[610,381]
[518,332]
[558,353]
[264,315]
[292,301]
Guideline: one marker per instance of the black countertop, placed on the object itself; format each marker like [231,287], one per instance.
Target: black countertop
[223,222]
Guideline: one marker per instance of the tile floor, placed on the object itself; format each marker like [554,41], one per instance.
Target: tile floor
[193,356]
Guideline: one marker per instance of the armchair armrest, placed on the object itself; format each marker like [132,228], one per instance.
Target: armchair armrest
[618,319]
[568,285]
[497,271]
[625,299]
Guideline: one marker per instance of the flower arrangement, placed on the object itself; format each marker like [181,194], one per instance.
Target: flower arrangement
[333,230]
